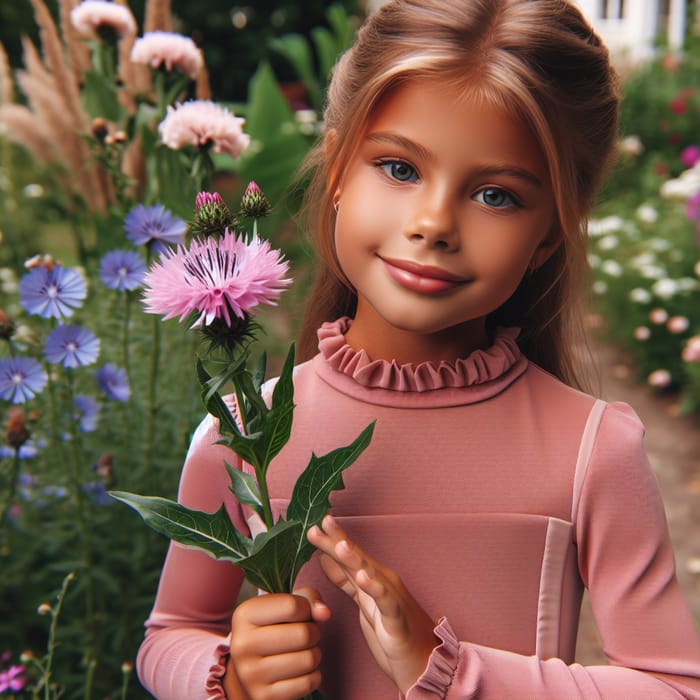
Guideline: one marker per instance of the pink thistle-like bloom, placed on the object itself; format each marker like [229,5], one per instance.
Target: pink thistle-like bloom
[92,17]
[217,279]
[200,123]
[691,351]
[169,50]
[206,199]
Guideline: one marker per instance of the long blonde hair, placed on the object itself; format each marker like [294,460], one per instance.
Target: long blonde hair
[539,60]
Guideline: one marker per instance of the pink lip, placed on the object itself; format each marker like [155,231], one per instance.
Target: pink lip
[424,279]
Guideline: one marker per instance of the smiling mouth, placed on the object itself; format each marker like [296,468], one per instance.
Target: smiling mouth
[424,279]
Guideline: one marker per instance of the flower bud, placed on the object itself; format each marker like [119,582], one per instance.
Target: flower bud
[99,127]
[254,203]
[44,609]
[7,326]
[127,667]
[211,215]
[16,433]
[26,656]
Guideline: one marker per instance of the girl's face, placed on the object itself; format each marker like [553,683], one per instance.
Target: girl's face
[441,210]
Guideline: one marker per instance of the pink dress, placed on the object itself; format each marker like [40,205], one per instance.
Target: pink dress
[497,493]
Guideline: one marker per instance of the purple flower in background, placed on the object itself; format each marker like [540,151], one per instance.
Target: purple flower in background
[114,382]
[21,379]
[52,291]
[87,412]
[27,451]
[123,270]
[155,227]
[692,207]
[71,346]
[98,492]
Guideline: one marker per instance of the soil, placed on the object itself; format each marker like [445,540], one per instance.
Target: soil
[673,445]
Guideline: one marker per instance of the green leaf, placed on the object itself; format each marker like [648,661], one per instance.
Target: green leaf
[100,97]
[295,48]
[310,498]
[270,565]
[213,533]
[245,489]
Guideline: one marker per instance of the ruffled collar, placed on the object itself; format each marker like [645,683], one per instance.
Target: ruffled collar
[485,372]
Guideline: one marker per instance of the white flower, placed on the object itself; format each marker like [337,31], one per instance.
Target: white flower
[696,268]
[688,284]
[682,187]
[609,242]
[639,295]
[594,260]
[608,224]
[631,145]
[665,288]
[660,245]
[600,287]
[612,268]
[652,272]
[647,214]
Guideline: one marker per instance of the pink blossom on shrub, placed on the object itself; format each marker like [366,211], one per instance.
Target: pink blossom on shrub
[91,16]
[12,679]
[200,123]
[658,316]
[169,50]
[642,333]
[691,351]
[659,378]
[690,156]
[677,324]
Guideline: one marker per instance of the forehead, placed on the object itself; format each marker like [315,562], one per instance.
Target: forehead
[456,123]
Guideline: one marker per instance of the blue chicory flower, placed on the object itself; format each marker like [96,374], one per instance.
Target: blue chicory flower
[98,492]
[21,379]
[122,270]
[114,382]
[71,346]
[52,292]
[27,451]
[87,411]
[155,227]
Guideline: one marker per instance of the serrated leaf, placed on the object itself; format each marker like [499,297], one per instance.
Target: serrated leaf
[310,497]
[245,489]
[213,533]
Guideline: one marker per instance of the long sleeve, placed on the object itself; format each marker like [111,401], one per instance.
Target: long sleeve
[626,561]
[183,654]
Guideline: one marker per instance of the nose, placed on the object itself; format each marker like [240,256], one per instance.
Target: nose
[433,222]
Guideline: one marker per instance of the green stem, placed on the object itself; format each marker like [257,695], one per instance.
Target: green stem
[6,503]
[152,408]
[125,335]
[45,680]
[85,523]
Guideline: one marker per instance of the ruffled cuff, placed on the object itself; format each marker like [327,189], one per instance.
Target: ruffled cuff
[442,664]
[214,684]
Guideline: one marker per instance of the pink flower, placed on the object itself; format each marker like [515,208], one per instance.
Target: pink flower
[205,199]
[692,207]
[12,679]
[658,316]
[691,351]
[216,279]
[642,333]
[679,106]
[91,16]
[200,123]
[174,51]
[677,324]
[659,378]
[690,156]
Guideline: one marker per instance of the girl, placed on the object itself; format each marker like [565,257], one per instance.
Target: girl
[464,141]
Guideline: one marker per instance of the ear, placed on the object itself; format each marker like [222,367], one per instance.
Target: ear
[547,247]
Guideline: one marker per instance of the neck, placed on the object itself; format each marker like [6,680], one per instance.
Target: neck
[382,341]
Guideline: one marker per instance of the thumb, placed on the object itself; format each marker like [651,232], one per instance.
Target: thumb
[320,612]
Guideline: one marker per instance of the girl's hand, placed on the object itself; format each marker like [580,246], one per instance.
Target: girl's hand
[274,647]
[398,631]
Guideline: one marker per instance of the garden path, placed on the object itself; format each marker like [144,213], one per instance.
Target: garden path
[673,445]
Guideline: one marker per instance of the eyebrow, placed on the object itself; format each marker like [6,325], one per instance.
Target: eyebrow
[382,137]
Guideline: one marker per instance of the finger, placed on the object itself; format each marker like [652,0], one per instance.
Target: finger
[337,575]
[281,639]
[281,667]
[320,612]
[273,609]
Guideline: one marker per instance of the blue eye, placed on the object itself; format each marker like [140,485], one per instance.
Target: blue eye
[496,197]
[398,170]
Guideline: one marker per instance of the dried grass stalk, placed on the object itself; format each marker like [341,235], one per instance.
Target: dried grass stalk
[78,52]
[7,93]
[159,16]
